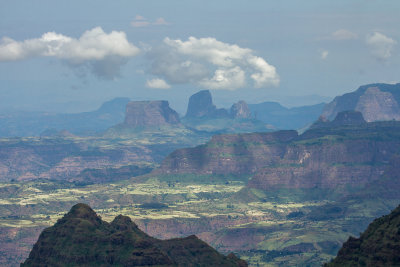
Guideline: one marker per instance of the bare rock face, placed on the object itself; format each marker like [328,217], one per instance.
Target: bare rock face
[240,110]
[201,105]
[150,113]
[376,105]
[376,102]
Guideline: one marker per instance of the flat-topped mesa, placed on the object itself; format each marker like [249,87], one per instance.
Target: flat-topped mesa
[240,110]
[150,113]
[201,105]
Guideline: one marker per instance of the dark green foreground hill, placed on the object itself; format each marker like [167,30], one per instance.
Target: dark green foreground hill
[379,245]
[81,238]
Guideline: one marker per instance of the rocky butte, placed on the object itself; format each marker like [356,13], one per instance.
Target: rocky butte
[201,106]
[81,238]
[240,110]
[150,113]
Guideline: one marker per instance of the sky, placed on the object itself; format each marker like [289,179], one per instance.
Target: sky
[71,56]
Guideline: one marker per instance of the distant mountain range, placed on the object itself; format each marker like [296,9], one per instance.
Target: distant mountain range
[283,118]
[376,102]
[86,123]
[81,238]
[201,115]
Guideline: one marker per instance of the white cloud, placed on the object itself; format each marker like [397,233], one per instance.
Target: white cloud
[103,52]
[141,21]
[381,46]
[157,84]
[324,54]
[211,64]
[226,79]
[343,34]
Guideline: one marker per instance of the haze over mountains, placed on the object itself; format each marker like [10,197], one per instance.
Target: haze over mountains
[270,196]
[201,114]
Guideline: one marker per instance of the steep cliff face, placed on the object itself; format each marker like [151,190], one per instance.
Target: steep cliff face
[379,245]
[150,113]
[201,105]
[229,154]
[377,105]
[376,102]
[240,110]
[341,156]
[331,165]
[81,238]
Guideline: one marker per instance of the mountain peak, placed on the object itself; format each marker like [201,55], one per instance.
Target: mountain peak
[240,110]
[200,104]
[76,241]
[82,211]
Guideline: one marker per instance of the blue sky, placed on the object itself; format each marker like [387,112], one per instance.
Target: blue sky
[74,55]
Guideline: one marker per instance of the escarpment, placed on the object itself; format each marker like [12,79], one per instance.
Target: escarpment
[345,153]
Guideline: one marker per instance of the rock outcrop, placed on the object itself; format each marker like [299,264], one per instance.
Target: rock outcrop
[201,106]
[379,245]
[240,110]
[81,238]
[377,105]
[376,102]
[150,113]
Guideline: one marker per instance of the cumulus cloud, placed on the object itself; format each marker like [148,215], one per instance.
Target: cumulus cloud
[343,34]
[103,53]
[141,21]
[157,84]
[381,46]
[211,64]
